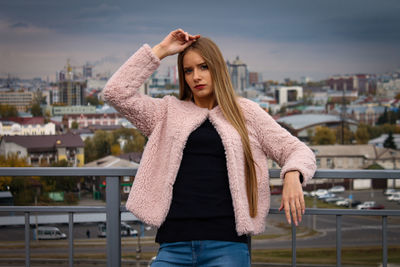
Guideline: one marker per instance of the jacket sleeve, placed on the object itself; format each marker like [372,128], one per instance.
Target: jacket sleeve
[121,91]
[278,144]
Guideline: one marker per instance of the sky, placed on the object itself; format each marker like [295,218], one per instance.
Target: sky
[280,39]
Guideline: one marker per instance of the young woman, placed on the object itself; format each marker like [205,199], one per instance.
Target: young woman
[203,178]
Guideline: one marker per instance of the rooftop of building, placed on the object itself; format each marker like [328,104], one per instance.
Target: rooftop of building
[302,121]
[366,151]
[112,162]
[38,143]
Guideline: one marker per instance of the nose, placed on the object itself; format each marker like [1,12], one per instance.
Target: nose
[196,75]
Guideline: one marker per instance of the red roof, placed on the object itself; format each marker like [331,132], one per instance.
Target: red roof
[23,120]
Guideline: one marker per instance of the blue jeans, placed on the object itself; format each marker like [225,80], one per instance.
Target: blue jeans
[207,253]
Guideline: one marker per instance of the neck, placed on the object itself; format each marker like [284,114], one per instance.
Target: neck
[206,103]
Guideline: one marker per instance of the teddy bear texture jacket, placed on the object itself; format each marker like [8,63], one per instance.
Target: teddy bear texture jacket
[168,122]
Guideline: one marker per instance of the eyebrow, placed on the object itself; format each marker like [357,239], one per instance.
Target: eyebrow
[196,65]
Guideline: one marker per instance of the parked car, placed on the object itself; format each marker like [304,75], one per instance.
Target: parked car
[319,192]
[49,233]
[328,195]
[377,207]
[333,199]
[394,197]
[346,203]
[126,230]
[366,205]
[337,189]
[390,191]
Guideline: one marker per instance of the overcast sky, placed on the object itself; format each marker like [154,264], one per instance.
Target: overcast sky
[313,38]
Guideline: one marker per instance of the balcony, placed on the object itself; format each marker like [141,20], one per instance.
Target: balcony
[113,208]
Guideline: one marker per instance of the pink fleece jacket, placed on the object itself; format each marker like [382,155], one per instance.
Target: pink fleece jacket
[168,123]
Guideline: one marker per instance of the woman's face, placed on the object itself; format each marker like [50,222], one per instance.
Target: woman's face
[198,77]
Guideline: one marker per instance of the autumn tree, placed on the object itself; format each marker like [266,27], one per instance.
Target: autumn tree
[362,135]
[348,135]
[8,111]
[323,136]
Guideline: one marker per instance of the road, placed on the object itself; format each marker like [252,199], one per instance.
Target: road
[356,231]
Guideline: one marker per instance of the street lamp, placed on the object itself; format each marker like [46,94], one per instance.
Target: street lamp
[393,154]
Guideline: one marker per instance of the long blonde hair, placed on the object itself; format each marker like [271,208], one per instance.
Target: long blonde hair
[227,101]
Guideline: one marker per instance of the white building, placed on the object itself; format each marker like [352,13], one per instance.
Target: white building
[287,94]
[12,128]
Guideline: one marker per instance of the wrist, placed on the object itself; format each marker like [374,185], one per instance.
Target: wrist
[159,51]
[290,175]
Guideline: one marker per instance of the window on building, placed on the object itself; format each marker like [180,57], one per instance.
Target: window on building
[318,163]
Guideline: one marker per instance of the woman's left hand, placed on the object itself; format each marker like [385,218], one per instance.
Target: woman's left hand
[292,197]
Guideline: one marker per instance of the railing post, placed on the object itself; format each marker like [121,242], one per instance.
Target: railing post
[384,241]
[113,203]
[71,238]
[338,240]
[293,244]
[27,240]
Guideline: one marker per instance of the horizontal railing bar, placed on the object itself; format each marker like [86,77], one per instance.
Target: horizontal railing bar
[349,174]
[66,171]
[100,209]
[123,171]
[312,211]
[60,209]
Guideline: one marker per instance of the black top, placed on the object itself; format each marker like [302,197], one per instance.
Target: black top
[201,207]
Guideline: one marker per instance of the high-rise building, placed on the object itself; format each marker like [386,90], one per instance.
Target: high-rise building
[21,99]
[87,71]
[72,93]
[72,90]
[255,78]
[239,74]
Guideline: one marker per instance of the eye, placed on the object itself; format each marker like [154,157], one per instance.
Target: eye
[187,71]
[204,67]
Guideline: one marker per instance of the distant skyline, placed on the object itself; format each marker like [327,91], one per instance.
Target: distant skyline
[280,39]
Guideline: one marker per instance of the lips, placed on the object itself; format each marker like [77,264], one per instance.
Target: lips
[200,86]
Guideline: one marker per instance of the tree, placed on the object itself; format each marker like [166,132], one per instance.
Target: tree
[74,125]
[8,111]
[323,136]
[20,187]
[362,135]
[92,100]
[36,110]
[12,160]
[90,153]
[102,142]
[348,135]
[116,150]
[389,141]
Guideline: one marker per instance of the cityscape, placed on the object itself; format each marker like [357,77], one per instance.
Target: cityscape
[327,73]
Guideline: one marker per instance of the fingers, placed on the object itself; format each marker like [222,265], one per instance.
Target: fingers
[184,36]
[294,209]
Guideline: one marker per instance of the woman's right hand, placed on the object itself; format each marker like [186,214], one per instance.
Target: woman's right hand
[175,42]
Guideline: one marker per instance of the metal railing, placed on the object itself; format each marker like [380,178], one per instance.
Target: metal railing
[113,206]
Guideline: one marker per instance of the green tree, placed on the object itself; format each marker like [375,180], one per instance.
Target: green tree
[102,143]
[323,136]
[362,135]
[90,153]
[92,100]
[389,141]
[74,125]
[36,110]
